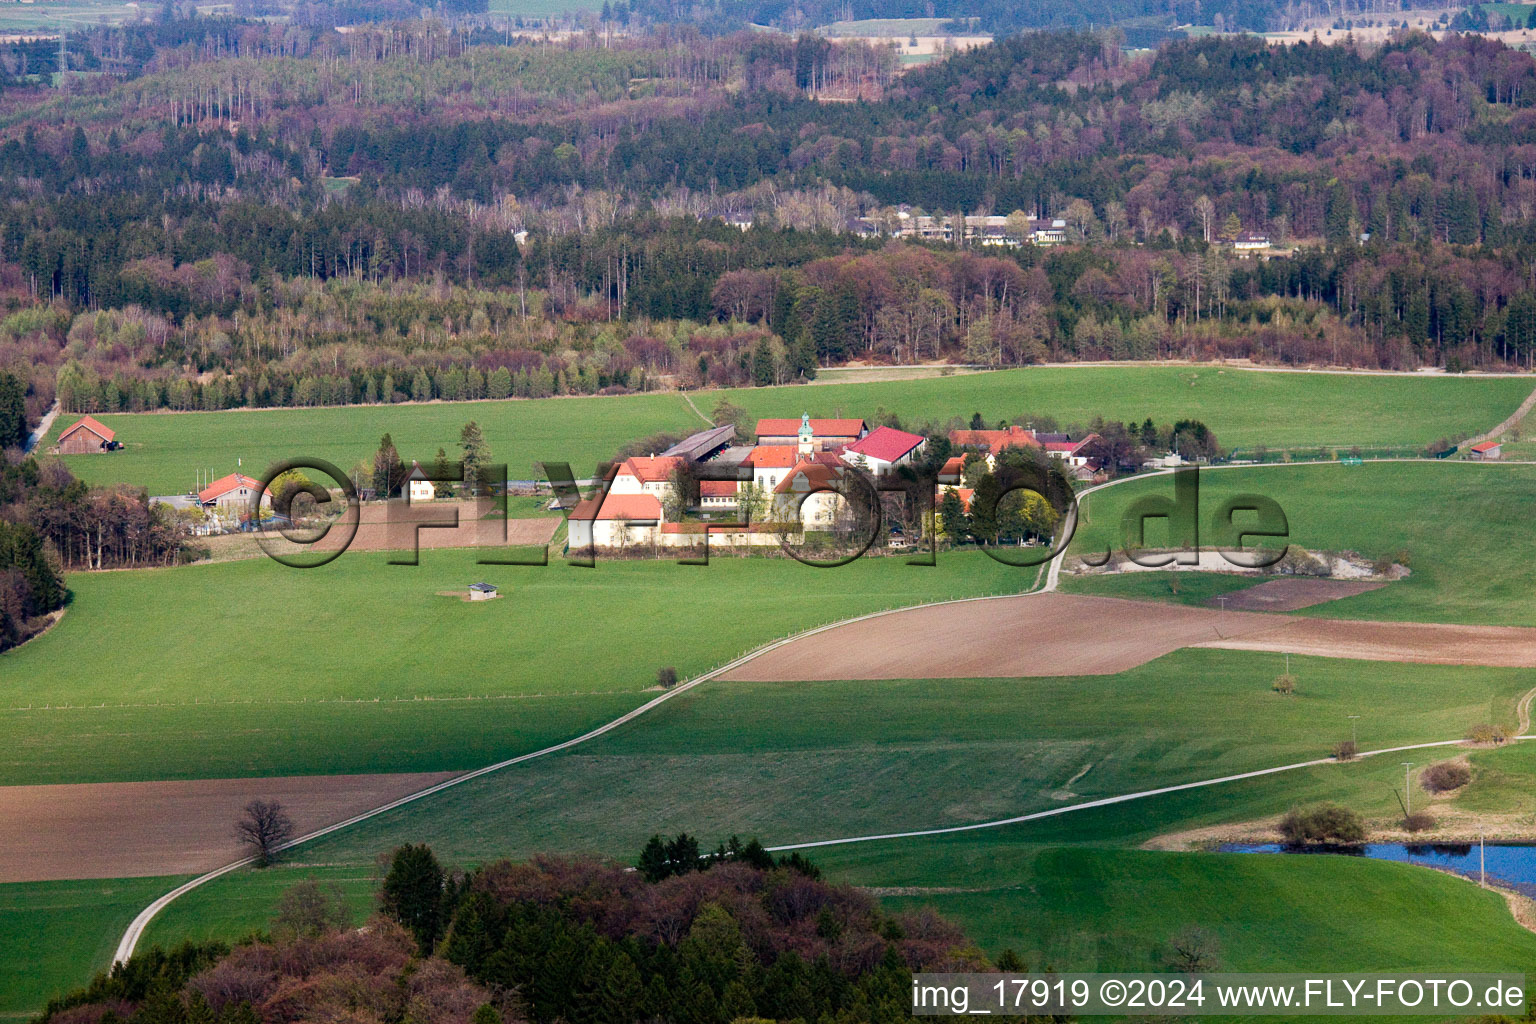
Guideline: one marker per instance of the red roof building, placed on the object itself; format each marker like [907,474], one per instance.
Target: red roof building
[88,434]
[994,441]
[819,428]
[717,488]
[651,469]
[773,456]
[636,508]
[885,446]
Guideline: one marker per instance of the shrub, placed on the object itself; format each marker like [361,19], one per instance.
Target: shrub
[1445,776]
[1486,733]
[1345,751]
[1323,823]
[666,677]
[1284,684]
[1419,821]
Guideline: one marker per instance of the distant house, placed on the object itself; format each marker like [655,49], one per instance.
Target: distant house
[883,449]
[820,434]
[231,495]
[1487,451]
[482,592]
[1048,232]
[1249,242]
[1074,453]
[418,487]
[87,435]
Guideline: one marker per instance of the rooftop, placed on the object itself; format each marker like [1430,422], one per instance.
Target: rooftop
[886,444]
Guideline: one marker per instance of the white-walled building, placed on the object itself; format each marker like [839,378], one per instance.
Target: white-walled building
[884,449]
[417,486]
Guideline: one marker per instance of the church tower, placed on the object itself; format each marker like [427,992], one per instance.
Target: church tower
[807,441]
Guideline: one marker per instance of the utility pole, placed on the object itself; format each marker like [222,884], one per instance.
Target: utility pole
[1353,737]
[1407,792]
[1482,873]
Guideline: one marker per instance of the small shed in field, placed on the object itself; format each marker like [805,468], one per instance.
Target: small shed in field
[482,592]
[1487,451]
[87,435]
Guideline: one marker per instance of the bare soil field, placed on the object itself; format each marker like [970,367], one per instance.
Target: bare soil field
[1070,635]
[126,829]
[1039,635]
[1422,642]
[399,527]
[1289,594]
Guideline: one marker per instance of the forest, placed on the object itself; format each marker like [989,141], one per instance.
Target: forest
[712,938]
[208,213]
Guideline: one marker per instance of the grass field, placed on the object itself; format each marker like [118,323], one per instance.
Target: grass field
[795,762]
[1245,408]
[887,27]
[541,8]
[57,934]
[288,659]
[1464,526]
[792,762]
[1083,909]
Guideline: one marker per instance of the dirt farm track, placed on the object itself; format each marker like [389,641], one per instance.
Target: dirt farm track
[161,828]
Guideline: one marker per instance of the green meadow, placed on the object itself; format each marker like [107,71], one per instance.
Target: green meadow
[57,934]
[151,673]
[799,762]
[165,451]
[1465,528]
[796,762]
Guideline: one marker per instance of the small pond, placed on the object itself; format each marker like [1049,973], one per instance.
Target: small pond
[1510,864]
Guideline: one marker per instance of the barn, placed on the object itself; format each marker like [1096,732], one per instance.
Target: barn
[87,435]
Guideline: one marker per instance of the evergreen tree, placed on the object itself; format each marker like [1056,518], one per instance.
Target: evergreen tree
[388,473]
[762,363]
[13,411]
[952,515]
[499,384]
[413,893]
[984,511]
[477,455]
[653,865]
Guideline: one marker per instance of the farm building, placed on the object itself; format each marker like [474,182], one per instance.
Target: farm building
[1487,451]
[87,435]
[703,445]
[482,592]
[622,520]
[718,494]
[231,495]
[807,434]
[883,449]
